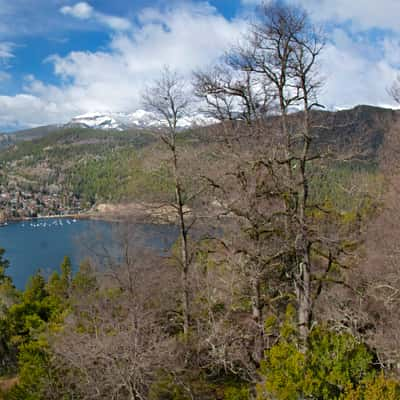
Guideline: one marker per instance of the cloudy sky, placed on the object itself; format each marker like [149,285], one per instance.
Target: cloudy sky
[62,58]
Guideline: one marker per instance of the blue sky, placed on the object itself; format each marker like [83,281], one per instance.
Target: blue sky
[62,58]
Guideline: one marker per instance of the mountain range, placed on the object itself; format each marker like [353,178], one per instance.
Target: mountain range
[365,124]
[139,119]
[114,121]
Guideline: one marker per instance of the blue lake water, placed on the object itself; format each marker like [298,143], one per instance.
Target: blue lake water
[43,243]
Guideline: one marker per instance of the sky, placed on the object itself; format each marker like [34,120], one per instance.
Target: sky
[63,58]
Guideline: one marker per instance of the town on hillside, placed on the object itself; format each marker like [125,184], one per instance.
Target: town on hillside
[16,203]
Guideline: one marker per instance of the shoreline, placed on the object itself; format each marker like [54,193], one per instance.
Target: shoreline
[27,219]
[140,212]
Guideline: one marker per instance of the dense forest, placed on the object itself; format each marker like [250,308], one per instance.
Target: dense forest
[283,284]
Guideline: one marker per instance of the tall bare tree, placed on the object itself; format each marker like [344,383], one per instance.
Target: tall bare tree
[169,100]
[282,49]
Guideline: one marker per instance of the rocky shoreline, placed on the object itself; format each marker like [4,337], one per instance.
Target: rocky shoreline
[143,212]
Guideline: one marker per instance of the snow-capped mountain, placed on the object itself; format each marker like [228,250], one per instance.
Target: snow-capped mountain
[138,119]
[95,120]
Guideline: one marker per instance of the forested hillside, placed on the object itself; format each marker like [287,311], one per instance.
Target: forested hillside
[283,283]
[113,166]
[88,165]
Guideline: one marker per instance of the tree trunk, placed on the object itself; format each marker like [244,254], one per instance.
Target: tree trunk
[303,293]
[184,248]
[258,318]
[303,245]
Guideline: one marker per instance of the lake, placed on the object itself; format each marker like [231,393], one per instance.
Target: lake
[43,243]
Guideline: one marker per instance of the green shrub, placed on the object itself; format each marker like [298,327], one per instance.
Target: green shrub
[333,365]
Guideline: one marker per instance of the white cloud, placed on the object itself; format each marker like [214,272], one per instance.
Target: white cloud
[6,55]
[353,78]
[25,110]
[364,14]
[184,38]
[116,23]
[79,10]
[6,50]
[85,11]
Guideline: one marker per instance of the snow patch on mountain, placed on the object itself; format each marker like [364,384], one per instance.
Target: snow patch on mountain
[138,119]
[96,121]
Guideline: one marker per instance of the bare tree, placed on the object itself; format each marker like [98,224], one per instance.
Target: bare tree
[114,341]
[231,94]
[282,49]
[168,99]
